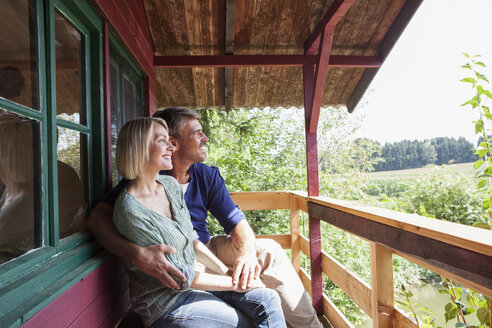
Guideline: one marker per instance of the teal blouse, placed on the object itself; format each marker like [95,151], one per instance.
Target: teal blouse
[145,227]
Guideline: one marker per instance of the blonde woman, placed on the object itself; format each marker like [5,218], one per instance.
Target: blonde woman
[150,211]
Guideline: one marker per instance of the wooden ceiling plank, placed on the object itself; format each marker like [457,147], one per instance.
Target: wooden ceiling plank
[336,11]
[230,31]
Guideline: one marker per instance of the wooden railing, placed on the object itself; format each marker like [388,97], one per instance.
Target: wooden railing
[460,253]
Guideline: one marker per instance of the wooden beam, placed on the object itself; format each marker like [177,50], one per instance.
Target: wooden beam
[306,281]
[295,233]
[304,245]
[261,200]
[320,79]
[383,301]
[402,320]
[334,315]
[263,60]
[356,289]
[453,277]
[468,237]
[390,39]
[333,15]
[470,265]
[230,31]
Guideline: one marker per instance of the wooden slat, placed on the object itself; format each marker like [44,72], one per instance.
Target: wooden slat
[456,278]
[283,240]
[304,243]
[471,265]
[382,286]
[295,231]
[300,197]
[336,318]
[355,288]
[306,280]
[261,200]
[401,320]
[474,239]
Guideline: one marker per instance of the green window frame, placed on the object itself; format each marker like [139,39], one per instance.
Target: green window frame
[32,280]
[127,69]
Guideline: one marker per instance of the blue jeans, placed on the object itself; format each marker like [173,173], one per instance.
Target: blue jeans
[257,308]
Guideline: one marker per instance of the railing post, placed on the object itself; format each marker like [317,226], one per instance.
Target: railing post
[382,285]
[294,233]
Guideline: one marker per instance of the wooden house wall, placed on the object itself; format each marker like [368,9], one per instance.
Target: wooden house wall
[98,300]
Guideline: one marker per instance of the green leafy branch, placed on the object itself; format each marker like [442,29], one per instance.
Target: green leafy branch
[419,313]
[483,165]
[459,309]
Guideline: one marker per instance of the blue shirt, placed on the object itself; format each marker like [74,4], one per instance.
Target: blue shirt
[206,192]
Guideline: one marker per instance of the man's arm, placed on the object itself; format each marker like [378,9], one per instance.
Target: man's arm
[150,260]
[246,267]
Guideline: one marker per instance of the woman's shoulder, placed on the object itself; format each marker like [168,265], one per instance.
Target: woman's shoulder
[169,182]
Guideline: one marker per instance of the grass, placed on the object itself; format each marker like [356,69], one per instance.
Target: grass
[466,168]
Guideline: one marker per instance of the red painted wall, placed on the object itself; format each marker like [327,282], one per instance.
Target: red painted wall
[98,300]
[129,20]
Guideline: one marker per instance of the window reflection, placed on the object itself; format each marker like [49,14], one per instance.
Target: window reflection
[68,51]
[20,221]
[18,55]
[72,206]
[126,100]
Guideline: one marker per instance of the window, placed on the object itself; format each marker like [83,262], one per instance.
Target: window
[126,84]
[20,131]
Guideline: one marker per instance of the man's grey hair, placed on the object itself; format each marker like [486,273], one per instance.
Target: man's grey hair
[175,118]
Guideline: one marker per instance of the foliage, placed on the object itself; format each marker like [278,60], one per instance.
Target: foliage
[478,102]
[421,314]
[465,302]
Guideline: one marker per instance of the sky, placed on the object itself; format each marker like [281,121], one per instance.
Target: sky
[416,93]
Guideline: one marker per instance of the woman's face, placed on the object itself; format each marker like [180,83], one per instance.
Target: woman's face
[160,149]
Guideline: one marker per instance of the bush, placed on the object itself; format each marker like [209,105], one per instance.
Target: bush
[450,198]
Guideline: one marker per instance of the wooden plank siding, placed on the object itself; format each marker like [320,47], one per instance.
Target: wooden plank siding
[98,300]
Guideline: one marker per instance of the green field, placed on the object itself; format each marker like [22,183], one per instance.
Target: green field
[462,168]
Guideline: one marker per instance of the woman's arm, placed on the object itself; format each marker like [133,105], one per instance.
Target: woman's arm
[205,256]
[212,282]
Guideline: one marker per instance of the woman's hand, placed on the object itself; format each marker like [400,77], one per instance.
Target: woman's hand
[255,283]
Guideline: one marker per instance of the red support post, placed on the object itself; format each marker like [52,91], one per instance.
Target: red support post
[313,190]
[314,87]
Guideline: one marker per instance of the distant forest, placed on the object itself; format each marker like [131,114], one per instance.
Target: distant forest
[408,154]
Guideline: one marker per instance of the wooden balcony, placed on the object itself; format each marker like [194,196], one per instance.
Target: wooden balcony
[460,253]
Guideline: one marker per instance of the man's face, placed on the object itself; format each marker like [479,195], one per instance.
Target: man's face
[190,146]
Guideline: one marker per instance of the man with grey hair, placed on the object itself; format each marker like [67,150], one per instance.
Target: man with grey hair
[204,190]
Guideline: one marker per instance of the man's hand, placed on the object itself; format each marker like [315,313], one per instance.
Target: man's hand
[246,268]
[153,262]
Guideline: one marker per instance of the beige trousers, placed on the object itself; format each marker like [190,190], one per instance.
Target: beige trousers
[276,273]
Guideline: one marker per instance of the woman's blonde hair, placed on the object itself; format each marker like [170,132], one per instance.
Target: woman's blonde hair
[132,147]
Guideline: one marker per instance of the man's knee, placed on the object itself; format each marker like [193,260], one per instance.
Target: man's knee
[269,250]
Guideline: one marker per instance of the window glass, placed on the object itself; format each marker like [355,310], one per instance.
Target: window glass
[18,52]
[20,192]
[69,91]
[126,99]
[72,204]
